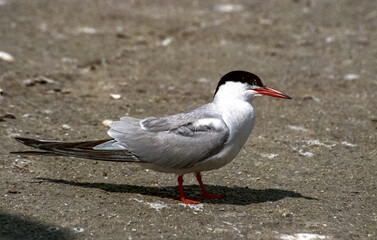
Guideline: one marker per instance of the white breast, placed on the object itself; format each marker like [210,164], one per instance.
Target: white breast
[240,121]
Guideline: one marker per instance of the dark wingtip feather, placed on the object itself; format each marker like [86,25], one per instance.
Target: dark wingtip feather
[31,153]
[25,140]
[29,142]
[76,149]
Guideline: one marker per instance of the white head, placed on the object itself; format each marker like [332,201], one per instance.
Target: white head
[244,86]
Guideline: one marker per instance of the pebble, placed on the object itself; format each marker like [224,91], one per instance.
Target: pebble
[29,82]
[40,79]
[107,122]
[21,162]
[87,30]
[66,126]
[68,60]
[13,191]
[78,230]
[348,144]
[166,42]
[287,215]
[351,76]
[270,155]
[227,8]
[310,97]
[122,35]
[115,96]
[305,154]
[8,115]
[6,57]
[298,128]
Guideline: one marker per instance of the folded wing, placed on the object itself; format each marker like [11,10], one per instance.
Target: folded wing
[177,141]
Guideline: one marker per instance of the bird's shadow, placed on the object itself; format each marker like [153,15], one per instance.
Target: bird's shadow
[17,226]
[232,195]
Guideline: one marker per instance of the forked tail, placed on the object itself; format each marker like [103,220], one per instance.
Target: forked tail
[85,149]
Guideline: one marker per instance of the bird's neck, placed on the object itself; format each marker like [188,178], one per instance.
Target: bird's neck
[236,112]
[233,102]
[239,117]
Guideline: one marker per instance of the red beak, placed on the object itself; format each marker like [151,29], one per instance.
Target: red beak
[271,92]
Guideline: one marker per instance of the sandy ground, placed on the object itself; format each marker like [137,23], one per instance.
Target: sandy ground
[308,167]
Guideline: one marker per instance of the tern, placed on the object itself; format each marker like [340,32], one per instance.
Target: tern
[203,139]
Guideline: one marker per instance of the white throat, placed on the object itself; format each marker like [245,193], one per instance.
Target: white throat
[233,101]
[234,91]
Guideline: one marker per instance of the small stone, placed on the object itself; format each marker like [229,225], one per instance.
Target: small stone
[115,96]
[305,154]
[6,57]
[107,122]
[29,82]
[310,97]
[66,126]
[348,144]
[122,35]
[287,214]
[351,76]
[40,79]
[166,42]
[68,60]
[87,30]
[78,230]
[43,80]
[13,191]
[9,115]
[227,8]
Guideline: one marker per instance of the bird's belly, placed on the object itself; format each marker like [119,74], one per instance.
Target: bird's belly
[217,161]
[233,146]
[230,151]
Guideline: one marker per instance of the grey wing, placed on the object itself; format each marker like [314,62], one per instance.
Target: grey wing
[177,141]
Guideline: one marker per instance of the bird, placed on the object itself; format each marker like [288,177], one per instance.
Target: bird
[202,139]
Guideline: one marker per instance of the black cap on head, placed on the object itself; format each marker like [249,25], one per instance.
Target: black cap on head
[240,76]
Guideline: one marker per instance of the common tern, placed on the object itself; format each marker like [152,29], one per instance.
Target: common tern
[202,139]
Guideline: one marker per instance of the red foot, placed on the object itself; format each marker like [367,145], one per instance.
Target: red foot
[211,196]
[189,201]
[204,191]
[183,199]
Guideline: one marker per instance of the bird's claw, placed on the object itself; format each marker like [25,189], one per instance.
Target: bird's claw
[189,201]
[211,196]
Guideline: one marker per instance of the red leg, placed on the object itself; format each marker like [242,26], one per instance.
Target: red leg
[204,191]
[183,199]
